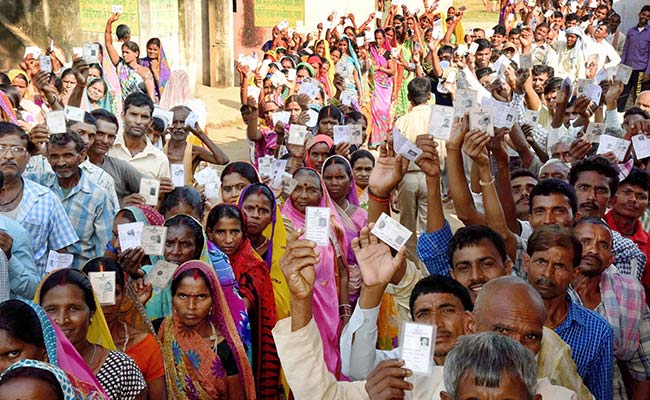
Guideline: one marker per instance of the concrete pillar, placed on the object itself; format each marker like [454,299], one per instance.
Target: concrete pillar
[220,15]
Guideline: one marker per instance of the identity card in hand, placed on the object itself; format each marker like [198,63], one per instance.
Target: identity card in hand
[149,189]
[594,130]
[641,145]
[526,61]
[531,117]
[130,235]
[391,232]
[616,145]
[264,165]
[417,343]
[45,63]
[55,121]
[623,73]
[178,174]
[341,134]
[317,225]
[356,134]
[161,274]
[442,117]
[281,116]
[58,261]
[503,115]
[153,240]
[481,118]
[465,99]
[404,146]
[593,93]
[297,134]
[103,284]
[74,113]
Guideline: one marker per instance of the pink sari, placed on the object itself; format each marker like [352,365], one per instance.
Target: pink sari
[380,101]
[326,299]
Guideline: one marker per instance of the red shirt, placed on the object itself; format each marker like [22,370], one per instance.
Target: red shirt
[640,237]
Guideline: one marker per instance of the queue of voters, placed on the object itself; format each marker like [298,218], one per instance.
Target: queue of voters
[428,211]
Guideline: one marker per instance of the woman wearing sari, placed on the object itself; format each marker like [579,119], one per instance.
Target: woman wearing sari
[320,74]
[339,181]
[351,71]
[131,74]
[67,297]
[331,302]
[317,150]
[234,178]
[381,74]
[362,162]
[207,360]
[226,227]
[156,61]
[30,334]
[140,344]
[36,379]
[99,96]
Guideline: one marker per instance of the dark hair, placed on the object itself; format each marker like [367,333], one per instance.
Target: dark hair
[637,177]
[549,236]
[338,161]
[20,322]
[539,69]
[637,111]
[66,72]
[8,128]
[105,264]
[157,124]
[439,284]
[483,71]
[126,213]
[419,90]
[482,44]
[138,99]
[330,112]
[104,115]
[592,221]
[183,194]
[35,373]
[225,211]
[360,154]
[4,79]
[62,139]
[519,172]
[2,179]
[571,17]
[552,84]
[259,188]
[190,273]
[471,235]
[122,31]
[97,67]
[195,227]
[515,31]
[499,30]
[597,164]
[246,170]
[13,95]
[645,8]
[551,186]
[70,276]
[154,41]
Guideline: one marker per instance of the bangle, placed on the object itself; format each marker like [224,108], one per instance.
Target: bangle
[109,32]
[378,199]
[345,310]
[488,183]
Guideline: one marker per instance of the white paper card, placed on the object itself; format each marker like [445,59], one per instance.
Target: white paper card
[481,118]
[526,61]
[313,118]
[503,116]
[58,261]
[278,167]
[254,92]
[317,225]
[593,93]
[404,146]
[91,53]
[291,74]
[594,130]
[641,145]
[78,51]
[356,134]
[531,117]
[74,114]
[192,119]
[378,14]
[45,63]
[442,117]
[360,41]
[616,145]
[161,274]
[465,99]
[264,165]
[391,232]
[149,189]
[34,51]
[472,48]
[281,116]
[297,134]
[130,235]
[341,134]
[55,121]
[178,174]
[103,284]
[346,98]
[116,8]
[416,347]
[309,87]
[623,73]
[153,239]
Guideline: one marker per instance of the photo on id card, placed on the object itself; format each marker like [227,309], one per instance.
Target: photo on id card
[417,343]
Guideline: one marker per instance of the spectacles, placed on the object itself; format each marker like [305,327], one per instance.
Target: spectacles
[16,150]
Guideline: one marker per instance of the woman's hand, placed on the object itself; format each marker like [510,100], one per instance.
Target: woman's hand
[343,149]
[131,261]
[298,265]
[428,161]
[388,172]
[142,289]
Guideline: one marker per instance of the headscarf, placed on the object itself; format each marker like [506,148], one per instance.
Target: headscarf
[255,285]
[98,332]
[68,390]
[164,74]
[198,372]
[7,109]
[111,78]
[353,55]
[62,354]
[328,57]
[309,68]
[290,59]
[107,102]
[12,74]
[314,141]
[326,293]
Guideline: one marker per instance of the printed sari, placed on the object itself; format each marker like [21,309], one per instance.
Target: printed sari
[164,73]
[326,290]
[197,372]
[382,89]
[130,79]
[107,102]
[403,103]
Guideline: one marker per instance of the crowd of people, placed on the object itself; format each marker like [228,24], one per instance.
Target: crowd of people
[515,158]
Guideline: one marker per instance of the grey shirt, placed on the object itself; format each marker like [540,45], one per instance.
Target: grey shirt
[127,178]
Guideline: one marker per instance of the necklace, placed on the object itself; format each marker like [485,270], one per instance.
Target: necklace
[15,197]
[348,206]
[264,243]
[126,336]
[92,358]
[214,337]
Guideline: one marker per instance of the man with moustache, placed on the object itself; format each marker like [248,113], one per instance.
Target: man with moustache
[133,145]
[552,260]
[179,151]
[619,299]
[523,182]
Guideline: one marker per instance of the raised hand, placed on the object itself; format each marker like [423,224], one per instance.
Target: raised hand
[39,134]
[298,265]
[475,147]
[388,172]
[428,162]
[374,257]
[458,131]
[579,149]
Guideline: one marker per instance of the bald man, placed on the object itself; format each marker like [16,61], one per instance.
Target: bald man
[643,100]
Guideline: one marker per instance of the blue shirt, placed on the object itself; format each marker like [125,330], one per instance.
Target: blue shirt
[43,216]
[432,250]
[23,276]
[590,338]
[91,212]
[636,50]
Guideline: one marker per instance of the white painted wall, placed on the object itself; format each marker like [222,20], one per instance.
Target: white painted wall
[629,12]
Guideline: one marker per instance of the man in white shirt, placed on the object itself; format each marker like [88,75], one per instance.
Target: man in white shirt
[598,45]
